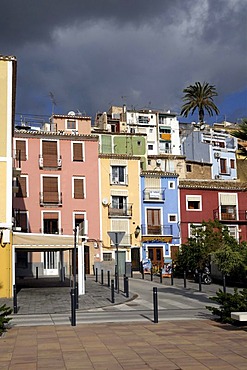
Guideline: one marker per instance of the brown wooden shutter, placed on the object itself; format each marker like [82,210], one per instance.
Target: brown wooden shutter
[78,189]
[50,216]
[77,152]
[153,220]
[22,184]
[49,151]
[20,146]
[50,189]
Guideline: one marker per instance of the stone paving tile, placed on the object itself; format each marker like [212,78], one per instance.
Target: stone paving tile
[190,345]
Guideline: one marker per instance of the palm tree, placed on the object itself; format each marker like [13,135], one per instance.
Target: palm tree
[199,96]
[241,134]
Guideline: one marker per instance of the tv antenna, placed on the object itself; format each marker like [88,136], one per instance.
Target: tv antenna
[53,101]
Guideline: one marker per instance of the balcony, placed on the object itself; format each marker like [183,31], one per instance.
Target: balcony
[54,232]
[116,180]
[124,211]
[154,195]
[160,230]
[50,198]
[16,164]
[50,161]
[233,215]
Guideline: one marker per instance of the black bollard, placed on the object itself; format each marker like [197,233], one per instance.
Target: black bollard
[151,274]
[161,276]
[184,279]
[37,272]
[172,282]
[127,287]
[73,304]
[108,278]
[76,296]
[124,283]
[112,291]
[155,304]
[96,274]
[143,273]
[102,277]
[15,299]
[200,281]
[116,280]
[224,283]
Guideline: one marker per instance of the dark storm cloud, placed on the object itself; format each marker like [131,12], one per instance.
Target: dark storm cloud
[94,53]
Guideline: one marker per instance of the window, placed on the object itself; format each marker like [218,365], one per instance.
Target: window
[232,163]
[172,218]
[150,147]
[119,202]
[171,184]
[139,143]
[193,202]
[77,152]
[50,193]
[20,148]
[107,256]
[78,188]
[188,168]
[118,175]
[81,221]
[49,153]
[22,187]
[228,206]
[149,162]
[223,165]
[71,124]
[153,221]
[21,220]
[50,223]
[193,230]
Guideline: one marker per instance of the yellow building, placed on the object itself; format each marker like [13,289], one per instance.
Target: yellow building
[120,210]
[7,114]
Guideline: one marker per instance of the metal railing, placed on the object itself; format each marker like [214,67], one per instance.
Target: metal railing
[156,229]
[50,198]
[227,216]
[152,194]
[125,211]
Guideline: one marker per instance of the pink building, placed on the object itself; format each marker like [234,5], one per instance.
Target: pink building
[58,190]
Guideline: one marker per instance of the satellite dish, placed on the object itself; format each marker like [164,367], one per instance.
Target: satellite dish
[105,201]
[71,113]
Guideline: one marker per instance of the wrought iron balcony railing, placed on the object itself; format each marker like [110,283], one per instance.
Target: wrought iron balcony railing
[50,198]
[152,194]
[124,211]
[230,216]
[156,229]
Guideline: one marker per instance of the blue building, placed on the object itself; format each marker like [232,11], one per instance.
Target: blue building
[160,217]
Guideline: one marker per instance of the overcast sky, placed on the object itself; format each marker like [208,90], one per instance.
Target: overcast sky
[95,53]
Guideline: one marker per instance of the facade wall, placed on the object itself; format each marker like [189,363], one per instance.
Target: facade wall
[211,208]
[112,218]
[66,173]
[7,103]
[160,217]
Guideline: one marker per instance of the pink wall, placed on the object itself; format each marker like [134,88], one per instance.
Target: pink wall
[88,168]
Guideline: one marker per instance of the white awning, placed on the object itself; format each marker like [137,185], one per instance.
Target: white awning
[42,241]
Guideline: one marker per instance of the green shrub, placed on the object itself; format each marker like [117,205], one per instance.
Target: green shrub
[236,302]
[4,312]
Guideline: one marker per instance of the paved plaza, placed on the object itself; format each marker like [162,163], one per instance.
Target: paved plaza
[169,345]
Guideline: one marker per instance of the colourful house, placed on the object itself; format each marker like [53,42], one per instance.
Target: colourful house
[7,171]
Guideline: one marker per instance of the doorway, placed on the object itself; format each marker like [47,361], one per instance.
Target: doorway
[135,259]
[155,254]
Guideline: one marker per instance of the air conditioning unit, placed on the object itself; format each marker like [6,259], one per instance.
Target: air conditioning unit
[59,162]
[41,163]
[216,155]
[158,162]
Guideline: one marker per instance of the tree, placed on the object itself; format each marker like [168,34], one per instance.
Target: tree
[205,239]
[241,133]
[199,96]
